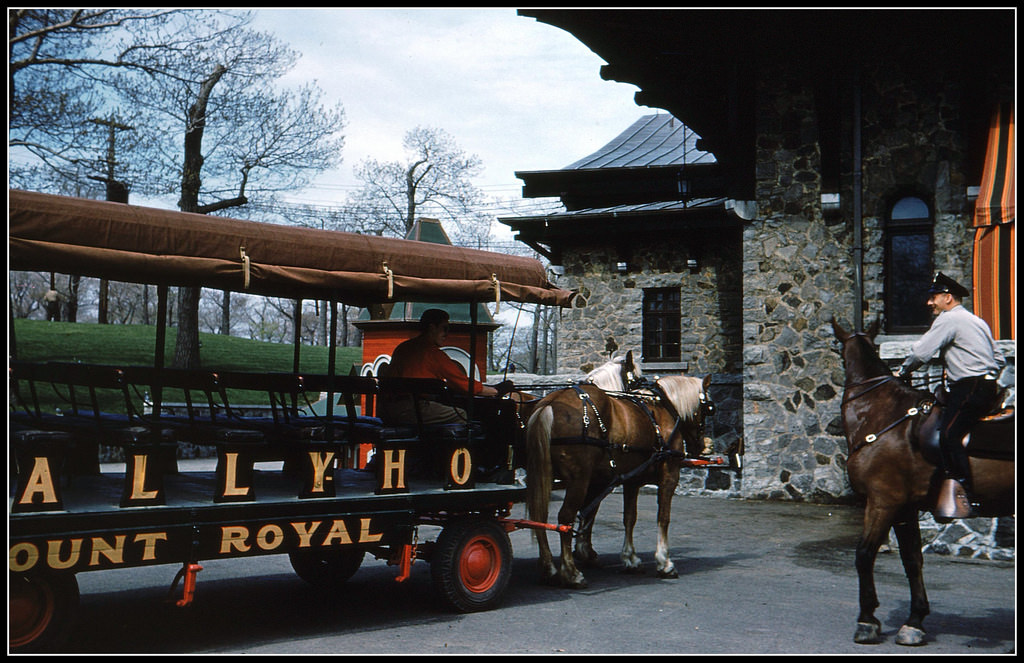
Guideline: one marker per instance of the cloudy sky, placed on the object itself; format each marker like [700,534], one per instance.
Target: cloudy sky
[520,94]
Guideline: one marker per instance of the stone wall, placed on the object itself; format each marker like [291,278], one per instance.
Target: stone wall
[611,321]
[797,273]
[910,148]
[776,285]
[799,264]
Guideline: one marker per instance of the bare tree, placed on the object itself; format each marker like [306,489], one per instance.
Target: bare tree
[197,85]
[434,180]
[238,132]
[60,61]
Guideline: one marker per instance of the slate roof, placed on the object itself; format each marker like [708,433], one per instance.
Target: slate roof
[653,140]
[624,210]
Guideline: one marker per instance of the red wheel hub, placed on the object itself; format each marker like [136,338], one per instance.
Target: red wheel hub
[479,564]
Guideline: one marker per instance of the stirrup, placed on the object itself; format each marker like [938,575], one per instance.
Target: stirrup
[952,502]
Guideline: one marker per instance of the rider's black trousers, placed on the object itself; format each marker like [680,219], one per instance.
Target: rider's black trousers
[969,400]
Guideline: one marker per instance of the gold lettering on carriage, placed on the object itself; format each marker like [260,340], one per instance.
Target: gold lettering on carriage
[139,493]
[71,553]
[320,463]
[265,538]
[461,467]
[39,483]
[392,470]
[231,487]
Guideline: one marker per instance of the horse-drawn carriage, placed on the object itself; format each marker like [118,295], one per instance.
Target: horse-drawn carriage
[279,485]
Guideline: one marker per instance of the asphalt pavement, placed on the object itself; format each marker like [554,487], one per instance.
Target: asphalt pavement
[754,578]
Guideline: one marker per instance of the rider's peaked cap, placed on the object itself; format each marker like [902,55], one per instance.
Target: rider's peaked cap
[942,283]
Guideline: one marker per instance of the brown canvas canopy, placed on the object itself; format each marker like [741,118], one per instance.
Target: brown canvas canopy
[145,245]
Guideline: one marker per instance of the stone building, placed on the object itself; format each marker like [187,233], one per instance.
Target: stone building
[845,169]
[652,245]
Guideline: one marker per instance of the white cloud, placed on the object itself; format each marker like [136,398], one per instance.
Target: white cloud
[519,94]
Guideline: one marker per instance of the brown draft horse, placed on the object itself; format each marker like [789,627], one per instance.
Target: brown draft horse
[888,425]
[592,440]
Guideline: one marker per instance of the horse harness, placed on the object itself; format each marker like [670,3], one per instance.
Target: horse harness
[585,437]
[923,407]
[658,453]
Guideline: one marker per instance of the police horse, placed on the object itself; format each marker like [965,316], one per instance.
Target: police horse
[891,460]
[594,438]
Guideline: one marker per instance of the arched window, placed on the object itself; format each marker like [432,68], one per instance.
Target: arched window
[908,266]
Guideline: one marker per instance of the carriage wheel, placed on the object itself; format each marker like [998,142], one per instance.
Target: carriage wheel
[472,564]
[41,609]
[326,568]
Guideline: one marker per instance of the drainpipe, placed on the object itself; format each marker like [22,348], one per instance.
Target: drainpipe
[858,240]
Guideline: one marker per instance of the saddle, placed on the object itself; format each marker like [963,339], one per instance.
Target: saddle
[993,437]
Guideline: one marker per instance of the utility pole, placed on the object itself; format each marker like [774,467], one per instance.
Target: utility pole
[116,192]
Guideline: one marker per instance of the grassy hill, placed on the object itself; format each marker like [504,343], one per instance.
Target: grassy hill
[133,345]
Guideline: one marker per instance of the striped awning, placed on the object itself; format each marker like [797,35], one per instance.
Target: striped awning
[995,256]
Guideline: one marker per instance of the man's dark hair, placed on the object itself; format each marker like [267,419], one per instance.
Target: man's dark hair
[433,316]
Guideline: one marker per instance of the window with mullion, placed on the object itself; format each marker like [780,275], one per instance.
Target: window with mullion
[661,324]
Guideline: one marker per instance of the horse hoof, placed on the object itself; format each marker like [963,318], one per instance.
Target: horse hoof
[867,634]
[632,570]
[578,583]
[671,573]
[910,636]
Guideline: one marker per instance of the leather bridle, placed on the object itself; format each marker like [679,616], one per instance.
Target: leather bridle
[924,407]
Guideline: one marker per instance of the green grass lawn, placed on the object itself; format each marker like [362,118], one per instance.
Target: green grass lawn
[134,345]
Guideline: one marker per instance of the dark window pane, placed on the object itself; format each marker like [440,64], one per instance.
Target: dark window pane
[909,208]
[910,266]
[661,324]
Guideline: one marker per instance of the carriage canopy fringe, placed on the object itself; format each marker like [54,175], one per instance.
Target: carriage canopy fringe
[146,245]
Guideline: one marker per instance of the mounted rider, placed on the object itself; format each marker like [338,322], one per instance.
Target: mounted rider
[972,364]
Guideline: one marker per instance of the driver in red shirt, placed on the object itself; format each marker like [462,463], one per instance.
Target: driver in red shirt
[422,357]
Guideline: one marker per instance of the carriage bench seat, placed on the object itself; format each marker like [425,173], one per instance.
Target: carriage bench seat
[431,432]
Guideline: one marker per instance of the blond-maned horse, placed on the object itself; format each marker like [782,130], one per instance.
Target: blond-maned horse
[592,439]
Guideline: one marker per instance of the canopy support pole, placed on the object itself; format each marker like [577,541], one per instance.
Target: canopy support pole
[297,335]
[331,348]
[158,352]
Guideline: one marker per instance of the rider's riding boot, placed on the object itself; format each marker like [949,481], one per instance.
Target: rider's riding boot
[953,501]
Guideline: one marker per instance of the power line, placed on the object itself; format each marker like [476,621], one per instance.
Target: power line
[493,207]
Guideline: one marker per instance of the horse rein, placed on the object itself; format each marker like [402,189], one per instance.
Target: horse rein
[877,382]
[924,407]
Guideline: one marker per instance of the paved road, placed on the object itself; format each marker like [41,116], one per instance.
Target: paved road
[755,578]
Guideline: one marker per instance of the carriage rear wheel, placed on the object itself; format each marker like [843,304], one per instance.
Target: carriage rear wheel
[472,564]
[326,568]
[41,609]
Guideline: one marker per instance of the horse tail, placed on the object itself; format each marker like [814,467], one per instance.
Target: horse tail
[538,463]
